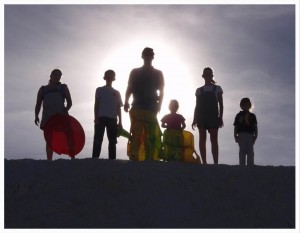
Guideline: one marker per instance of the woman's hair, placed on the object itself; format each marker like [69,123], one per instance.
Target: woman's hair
[208,69]
[56,73]
[175,104]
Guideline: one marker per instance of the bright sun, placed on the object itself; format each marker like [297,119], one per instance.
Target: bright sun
[178,81]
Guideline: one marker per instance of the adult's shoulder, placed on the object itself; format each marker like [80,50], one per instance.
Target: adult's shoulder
[159,72]
[219,89]
[135,70]
[198,91]
[64,86]
[41,91]
[42,88]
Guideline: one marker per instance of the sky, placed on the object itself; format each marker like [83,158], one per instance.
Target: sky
[251,49]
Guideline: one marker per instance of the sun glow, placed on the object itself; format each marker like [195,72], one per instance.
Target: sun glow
[178,81]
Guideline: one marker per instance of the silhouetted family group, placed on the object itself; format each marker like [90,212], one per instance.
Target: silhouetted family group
[146,86]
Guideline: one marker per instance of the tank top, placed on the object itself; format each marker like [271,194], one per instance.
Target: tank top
[53,101]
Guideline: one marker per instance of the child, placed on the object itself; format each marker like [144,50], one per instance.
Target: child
[173,138]
[53,97]
[208,114]
[173,120]
[245,132]
[107,111]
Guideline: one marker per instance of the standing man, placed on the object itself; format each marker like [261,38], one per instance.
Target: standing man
[146,85]
[107,111]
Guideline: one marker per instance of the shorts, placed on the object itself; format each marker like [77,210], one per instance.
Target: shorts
[207,122]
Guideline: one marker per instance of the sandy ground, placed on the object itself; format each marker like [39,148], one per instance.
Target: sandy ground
[89,193]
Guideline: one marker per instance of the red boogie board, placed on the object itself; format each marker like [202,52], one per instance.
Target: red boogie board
[64,134]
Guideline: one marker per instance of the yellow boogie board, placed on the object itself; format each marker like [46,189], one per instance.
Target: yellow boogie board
[178,145]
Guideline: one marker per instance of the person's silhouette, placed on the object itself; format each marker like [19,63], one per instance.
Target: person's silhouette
[146,85]
[53,97]
[208,115]
[107,111]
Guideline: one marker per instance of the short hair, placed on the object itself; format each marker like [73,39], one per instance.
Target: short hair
[245,100]
[109,72]
[147,51]
[174,103]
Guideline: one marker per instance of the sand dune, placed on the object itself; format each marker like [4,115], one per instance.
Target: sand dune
[89,193]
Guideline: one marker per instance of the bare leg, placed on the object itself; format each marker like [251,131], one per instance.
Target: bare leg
[49,152]
[202,144]
[214,144]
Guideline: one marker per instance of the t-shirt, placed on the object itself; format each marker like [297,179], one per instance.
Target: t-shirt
[173,121]
[245,121]
[109,101]
[144,84]
[211,88]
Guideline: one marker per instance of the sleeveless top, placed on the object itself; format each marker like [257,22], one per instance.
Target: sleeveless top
[53,101]
[144,83]
[207,109]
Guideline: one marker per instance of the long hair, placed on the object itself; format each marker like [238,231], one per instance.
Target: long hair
[244,101]
[208,69]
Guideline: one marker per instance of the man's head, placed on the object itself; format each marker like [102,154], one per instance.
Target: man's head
[148,54]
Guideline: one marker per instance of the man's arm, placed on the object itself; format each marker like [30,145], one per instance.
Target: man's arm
[128,92]
[127,96]
[161,91]
[96,109]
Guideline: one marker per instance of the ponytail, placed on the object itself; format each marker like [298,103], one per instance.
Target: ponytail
[208,69]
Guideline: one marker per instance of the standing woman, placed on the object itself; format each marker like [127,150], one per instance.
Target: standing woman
[208,115]
[53,97]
